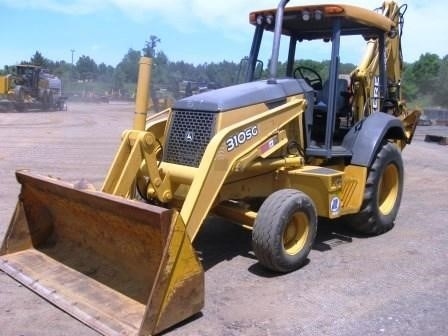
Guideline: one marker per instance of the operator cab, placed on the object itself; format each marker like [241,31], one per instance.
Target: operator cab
[320,32]
[28,76]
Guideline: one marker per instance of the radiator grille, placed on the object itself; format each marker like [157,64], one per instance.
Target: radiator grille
[189,134]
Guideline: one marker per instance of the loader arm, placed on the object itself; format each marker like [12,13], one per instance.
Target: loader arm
[218,160]
[139,147]
[137,154]
[138,150]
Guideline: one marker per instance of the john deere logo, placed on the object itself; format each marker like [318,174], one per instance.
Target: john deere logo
[189,136]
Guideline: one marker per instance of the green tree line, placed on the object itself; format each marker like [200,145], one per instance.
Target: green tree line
[425,82]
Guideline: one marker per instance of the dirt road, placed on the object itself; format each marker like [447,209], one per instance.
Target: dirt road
[393,284]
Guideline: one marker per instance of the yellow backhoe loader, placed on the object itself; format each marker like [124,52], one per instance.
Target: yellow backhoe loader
[271,154]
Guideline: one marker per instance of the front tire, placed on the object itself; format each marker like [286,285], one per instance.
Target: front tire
[284,230]
[382,195]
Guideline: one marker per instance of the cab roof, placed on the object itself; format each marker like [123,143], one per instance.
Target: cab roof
[28,66]
[354,20]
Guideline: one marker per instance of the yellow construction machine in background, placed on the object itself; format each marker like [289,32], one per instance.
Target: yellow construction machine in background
[31,87]
[272,155]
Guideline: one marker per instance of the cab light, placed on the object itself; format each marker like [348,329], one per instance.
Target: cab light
[332,10]
[252,18]
[306,16]
[318,15]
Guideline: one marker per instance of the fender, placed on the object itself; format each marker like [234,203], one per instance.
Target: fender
[365,138]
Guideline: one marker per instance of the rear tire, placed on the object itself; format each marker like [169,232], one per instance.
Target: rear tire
[284,230]
[382,195]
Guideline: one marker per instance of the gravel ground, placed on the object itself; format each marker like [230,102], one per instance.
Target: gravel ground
[393,284]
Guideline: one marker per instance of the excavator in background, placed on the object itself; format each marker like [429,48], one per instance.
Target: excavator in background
[31,87]
[273,155]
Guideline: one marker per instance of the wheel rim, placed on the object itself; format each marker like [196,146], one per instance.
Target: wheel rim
[388,189]
[296,233]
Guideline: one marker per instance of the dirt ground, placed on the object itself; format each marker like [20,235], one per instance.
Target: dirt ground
[393,284]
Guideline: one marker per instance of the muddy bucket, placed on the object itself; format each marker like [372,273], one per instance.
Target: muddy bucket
[121,267]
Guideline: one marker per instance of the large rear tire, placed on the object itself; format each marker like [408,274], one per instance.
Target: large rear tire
[382,195]
[284,230]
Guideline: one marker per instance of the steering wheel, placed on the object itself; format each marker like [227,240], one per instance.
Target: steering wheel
[310,75]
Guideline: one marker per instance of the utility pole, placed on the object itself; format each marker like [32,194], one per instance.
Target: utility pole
[71,69]
[73,51]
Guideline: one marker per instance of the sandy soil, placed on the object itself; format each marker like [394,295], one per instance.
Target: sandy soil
[393,284]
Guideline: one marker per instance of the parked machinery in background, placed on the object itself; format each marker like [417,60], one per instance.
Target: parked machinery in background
[31,87]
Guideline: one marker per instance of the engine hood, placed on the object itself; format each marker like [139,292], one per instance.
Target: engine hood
[237,96]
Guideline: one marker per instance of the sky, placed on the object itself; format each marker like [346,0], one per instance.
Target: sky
[196,31]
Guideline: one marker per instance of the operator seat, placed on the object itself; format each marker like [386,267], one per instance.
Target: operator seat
[342,106]
[342,92]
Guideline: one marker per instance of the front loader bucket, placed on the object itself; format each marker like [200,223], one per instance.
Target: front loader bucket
[120,266]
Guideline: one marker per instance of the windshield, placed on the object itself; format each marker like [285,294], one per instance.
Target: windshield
[314,54]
